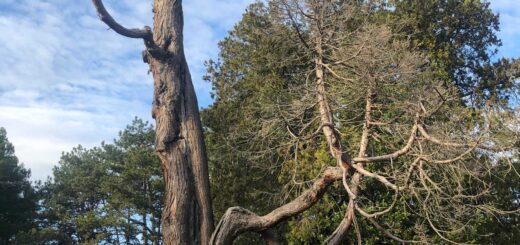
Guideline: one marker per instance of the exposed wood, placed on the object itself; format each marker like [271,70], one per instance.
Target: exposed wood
[187,216]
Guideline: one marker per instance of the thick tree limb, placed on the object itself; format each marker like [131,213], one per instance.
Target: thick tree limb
[187,214]
[145,33]
[239,220]
[339,235]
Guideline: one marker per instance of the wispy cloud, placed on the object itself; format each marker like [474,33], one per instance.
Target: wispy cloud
[67,80]
[41,134]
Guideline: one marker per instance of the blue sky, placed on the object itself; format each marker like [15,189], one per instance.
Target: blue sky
[67,80]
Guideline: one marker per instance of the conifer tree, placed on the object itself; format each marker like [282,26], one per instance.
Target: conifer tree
[17,196]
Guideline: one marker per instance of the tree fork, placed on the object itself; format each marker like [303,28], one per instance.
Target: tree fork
[187,215]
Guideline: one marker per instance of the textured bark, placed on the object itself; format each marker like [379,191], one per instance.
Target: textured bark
[343,158]
[187,215]
[340,234]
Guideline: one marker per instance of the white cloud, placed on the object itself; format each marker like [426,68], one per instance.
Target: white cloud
[41,134]
[67,80]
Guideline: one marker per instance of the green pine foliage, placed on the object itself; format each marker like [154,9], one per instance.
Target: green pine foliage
[110,194]
[259,79]
[18,199]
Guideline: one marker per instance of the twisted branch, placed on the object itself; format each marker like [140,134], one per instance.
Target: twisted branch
[145,33]
[239,220]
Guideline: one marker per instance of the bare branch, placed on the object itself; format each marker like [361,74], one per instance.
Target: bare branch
[388,234]
[353,56]
[376,214]
[394,155]
[389,121]
[357,230]
[145,33]
[339,235]
[351,194]
[380,178]
[313,135]
[336,75]
[410,172]
[469,150]
[295,24]
[437,141]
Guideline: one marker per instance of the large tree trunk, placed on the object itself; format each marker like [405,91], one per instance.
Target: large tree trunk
[187,215]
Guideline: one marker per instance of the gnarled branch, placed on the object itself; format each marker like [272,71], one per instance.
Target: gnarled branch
[152,49]
[238,220]
[145,33]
